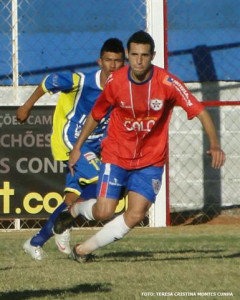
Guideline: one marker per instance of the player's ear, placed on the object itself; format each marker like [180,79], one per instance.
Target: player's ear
[154,53]
[126,53]
[99,61]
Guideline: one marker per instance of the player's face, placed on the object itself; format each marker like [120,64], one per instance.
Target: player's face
[110,62]
[140,60]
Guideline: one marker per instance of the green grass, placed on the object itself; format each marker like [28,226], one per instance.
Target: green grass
[190,259]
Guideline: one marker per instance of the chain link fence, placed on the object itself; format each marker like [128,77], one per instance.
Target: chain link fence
[203,50]
[39,37]
[199,193]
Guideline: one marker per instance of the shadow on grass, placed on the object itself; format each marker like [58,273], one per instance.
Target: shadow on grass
[234,255]
[5,268]
[153,255]
[79,289]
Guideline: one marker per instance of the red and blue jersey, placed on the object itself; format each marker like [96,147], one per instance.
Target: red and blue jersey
[138,129]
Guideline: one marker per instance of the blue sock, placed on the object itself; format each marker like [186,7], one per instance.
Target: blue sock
[46,232]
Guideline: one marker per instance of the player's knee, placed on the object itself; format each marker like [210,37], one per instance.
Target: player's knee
[70,198]
[102,212]
[102,215]
[104,209]
[134,217]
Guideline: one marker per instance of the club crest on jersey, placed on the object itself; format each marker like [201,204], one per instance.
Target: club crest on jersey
[156,184]
[156,104]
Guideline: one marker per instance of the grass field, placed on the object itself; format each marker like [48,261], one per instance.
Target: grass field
[185,262]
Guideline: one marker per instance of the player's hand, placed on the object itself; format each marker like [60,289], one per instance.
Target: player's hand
[22,113]
[73,158]
[218,157]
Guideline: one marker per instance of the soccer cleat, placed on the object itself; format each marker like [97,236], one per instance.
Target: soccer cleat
[63,221]
[81,258]
[63,241]
[36,252]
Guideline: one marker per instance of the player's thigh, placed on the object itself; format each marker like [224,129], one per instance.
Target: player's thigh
[138,203]
[143,186]
[85,173]
[146,182]
[112,181]
[70,198]
[110,188]
[87,167]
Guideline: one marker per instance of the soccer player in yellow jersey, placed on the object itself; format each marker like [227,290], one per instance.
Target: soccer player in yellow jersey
[78,93]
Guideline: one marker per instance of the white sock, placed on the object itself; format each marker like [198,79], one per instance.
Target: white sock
[83,208]
[112,231]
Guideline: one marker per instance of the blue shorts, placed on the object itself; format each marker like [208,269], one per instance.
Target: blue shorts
[113,180]
[86,172]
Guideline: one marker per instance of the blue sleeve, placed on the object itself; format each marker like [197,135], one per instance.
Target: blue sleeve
[58,82]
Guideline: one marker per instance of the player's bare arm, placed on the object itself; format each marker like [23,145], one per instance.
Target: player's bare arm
[87,129]
[218,156]
[24,110]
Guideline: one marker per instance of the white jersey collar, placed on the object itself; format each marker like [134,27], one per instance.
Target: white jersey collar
[97,78]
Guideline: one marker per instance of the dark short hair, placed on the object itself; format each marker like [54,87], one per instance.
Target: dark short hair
[112,45]
[141,37]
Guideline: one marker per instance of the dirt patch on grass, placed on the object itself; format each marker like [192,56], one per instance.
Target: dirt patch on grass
[224,220]
[226,217]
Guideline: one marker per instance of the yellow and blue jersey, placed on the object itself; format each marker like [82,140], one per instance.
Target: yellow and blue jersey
[78,93]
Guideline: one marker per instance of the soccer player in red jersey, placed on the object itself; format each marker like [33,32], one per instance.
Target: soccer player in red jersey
[142,97]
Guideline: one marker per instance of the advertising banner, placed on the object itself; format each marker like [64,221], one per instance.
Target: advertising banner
[31,182]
